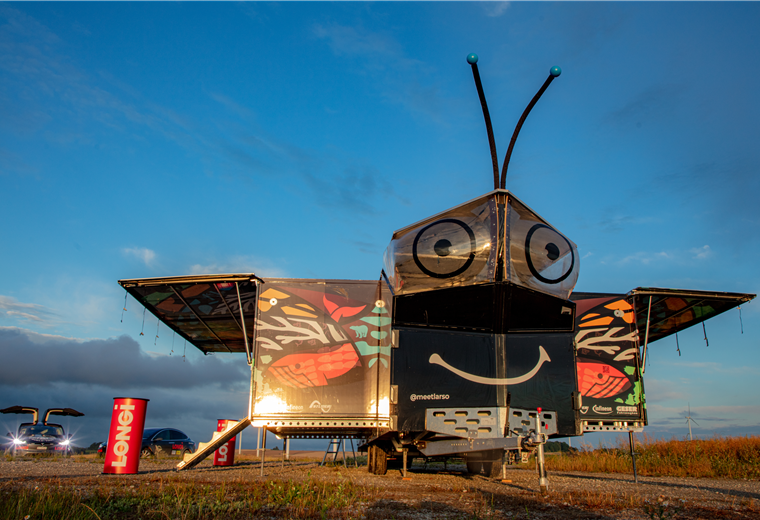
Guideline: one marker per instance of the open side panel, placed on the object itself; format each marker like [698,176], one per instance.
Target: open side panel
[322,357]
[608,364]
[672,310]
[205,310]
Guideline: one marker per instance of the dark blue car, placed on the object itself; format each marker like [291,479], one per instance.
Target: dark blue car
[161,442]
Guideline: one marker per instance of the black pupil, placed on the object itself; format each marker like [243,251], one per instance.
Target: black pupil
[442,247]
[552,251]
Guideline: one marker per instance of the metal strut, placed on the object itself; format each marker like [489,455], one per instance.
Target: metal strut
[646,339]
[242,320]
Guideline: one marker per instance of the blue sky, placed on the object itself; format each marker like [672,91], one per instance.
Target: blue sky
[292,139]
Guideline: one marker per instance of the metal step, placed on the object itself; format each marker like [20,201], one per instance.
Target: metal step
[217,440]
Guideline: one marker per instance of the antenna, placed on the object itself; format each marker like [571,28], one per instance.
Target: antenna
[472,59]
[689,420]
[553,73]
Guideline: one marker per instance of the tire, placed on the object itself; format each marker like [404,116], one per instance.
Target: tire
[146,453]
[492,469]
[378,461]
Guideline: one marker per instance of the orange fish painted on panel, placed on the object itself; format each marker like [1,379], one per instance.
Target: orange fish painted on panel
[315,368]
[600,380]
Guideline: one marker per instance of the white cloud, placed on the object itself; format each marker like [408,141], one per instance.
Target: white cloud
[239,264]
[36,337]
[496,9]
[25,315]
[658,390]
[147,256]
[346,40]
[39,314]
[715,368]
[50,371]
[701,253]
[645,258]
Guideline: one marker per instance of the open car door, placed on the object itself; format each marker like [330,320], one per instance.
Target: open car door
[61,411]
[23,409]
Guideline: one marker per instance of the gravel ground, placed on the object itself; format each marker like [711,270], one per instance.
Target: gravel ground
[435,492]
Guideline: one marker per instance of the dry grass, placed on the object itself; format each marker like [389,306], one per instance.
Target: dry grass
[717,457]
[173,499]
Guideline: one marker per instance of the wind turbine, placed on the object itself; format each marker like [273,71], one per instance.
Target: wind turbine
[689,420]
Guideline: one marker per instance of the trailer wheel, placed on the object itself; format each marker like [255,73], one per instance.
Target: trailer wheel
[492,469]
[378,461]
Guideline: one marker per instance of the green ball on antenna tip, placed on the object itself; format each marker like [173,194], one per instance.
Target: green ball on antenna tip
[555,71]
[472,59]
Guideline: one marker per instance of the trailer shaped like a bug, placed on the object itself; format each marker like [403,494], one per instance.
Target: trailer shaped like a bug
[471,344]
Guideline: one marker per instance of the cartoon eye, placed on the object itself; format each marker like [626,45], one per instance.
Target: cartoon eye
[273,302]
[546,253]
[445,248]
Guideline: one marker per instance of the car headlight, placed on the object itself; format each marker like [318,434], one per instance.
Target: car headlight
[65,443]
[18,441]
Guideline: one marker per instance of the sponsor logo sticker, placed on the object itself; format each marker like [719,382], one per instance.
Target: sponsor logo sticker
[428,397]
[602,410]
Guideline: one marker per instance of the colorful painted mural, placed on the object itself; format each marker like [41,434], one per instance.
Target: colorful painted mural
[322,347]
[607,359]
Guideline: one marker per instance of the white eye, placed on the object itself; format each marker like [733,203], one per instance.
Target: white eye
[445,248]
[273,302]
[549,255]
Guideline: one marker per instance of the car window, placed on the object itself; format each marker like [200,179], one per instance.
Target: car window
[162,435]
[177,435]
[149,432]
[48,430]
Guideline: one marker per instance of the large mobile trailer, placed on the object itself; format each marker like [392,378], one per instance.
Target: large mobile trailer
[471,344]
[482,352]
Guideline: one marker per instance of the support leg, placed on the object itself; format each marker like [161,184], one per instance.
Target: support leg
[258,443]
[543,482]
[263,449]
[632,444]
[403,457]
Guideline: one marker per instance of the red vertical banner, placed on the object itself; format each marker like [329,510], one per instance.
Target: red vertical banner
[225,455]
[125,435]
